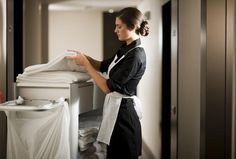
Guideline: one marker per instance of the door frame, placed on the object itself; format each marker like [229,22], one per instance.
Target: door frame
[174,79]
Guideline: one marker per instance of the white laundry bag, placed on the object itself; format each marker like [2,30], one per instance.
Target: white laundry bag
[39,134]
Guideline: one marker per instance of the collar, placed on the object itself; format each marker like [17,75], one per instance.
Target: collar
[125,48]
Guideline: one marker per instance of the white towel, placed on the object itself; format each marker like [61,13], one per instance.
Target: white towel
[54,77]
[84,141]
[100,155]
[58,70]
[57,64]
[88,131]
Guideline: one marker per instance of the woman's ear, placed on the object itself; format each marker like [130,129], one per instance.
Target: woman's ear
[131,29]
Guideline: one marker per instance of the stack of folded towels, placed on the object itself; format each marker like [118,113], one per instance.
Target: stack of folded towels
[58,70]
[89,124]
[95,151]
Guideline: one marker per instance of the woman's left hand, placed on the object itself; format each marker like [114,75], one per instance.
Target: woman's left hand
[79,59]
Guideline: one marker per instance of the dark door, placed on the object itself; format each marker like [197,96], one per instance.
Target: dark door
[169,80]
[217,139]
[166,81]
[14,43]
[110,40]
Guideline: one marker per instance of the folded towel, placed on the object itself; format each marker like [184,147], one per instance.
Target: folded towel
[100,155]
[85,138]
[84,147]
[99,146]
[88,131]
[57,64]
[54,77]
[88,140]
[96,155]
[91,149]
[58,70]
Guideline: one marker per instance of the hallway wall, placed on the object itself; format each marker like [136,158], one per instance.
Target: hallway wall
[72,29]
[32,52]
[149,89]
[189,79]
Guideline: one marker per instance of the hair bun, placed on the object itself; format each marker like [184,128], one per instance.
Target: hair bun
[144,28]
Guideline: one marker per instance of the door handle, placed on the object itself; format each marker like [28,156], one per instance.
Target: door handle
[174,109]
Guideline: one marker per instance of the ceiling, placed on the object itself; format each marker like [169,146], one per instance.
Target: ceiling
[104,5]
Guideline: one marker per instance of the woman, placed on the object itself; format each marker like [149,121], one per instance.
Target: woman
[120,128]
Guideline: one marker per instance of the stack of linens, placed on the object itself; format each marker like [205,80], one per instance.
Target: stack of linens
[58,70]
[89,124]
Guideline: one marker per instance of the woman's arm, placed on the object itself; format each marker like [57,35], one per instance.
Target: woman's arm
[95,63]
[101,82]
[98,78]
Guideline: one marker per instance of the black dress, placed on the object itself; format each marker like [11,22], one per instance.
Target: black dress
[126,139]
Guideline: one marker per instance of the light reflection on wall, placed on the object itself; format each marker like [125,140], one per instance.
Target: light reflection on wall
[3,46]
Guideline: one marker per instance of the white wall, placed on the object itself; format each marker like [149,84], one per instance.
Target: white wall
[149,89]
[81,30]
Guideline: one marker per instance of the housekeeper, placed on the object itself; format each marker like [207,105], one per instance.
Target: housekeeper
[120,128]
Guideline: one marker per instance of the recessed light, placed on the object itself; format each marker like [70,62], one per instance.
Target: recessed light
[111,11]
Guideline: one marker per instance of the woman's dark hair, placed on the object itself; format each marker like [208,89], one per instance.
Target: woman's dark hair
[133,18]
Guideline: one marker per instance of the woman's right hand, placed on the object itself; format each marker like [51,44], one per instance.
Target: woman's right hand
[79,58]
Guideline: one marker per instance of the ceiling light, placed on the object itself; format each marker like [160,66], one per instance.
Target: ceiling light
[111,11]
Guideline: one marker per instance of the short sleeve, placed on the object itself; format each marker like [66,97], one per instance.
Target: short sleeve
[120,78]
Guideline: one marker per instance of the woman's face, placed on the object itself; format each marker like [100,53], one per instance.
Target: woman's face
[122,31]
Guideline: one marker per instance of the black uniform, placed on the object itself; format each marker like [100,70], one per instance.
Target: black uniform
[126,139]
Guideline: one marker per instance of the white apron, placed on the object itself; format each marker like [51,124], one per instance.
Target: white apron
[111,108]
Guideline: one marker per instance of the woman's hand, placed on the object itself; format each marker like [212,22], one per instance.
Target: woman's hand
[79,59]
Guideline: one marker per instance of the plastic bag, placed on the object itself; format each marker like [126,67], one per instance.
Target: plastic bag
[39,134]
